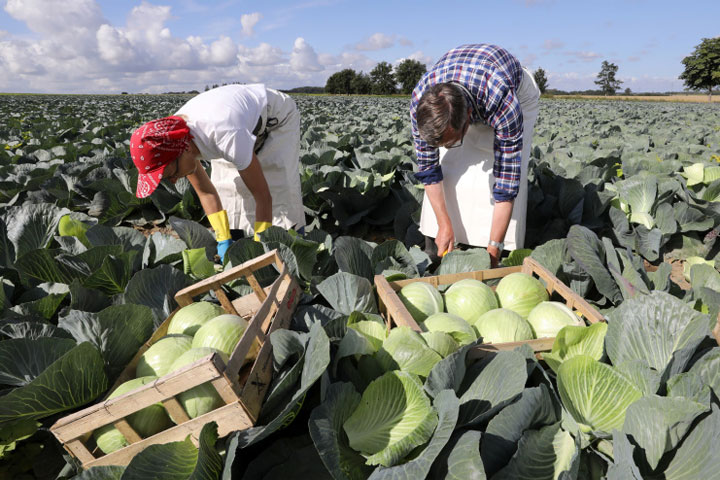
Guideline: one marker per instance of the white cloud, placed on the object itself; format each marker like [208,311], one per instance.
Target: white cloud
[303,57]
[376,41]
[262,55]
[583,56]
[248,22]
[552,44]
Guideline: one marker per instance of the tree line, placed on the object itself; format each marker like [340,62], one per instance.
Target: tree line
[701,73]
[382,80]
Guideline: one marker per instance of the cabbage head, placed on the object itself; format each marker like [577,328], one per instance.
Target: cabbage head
[203,398]
[502,325]
[146,422]
[548,318]
[421,299]
[223,333]
[460,330]
[159,357]
[190,318]
[520,293]
[470,298]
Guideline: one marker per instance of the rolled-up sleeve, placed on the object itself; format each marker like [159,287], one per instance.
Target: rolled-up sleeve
[507,122]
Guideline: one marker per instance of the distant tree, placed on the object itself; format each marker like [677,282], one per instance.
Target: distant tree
[215,86]
[341,82]
[361,84]
[702,68]
[408,74]
[383,80]
[207,87]
[541,79]
[606,78]
[628,91]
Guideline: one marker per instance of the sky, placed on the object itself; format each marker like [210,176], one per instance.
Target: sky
[155,46]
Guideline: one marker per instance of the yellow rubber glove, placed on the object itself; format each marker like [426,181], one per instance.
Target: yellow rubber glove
[261,227]
[219,223]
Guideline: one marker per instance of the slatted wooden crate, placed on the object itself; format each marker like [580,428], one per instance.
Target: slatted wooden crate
[242,388]
[395,312]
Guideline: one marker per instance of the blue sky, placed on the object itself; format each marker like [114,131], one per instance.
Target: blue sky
[103,46]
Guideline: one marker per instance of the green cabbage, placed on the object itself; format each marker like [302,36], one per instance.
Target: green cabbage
[460,330]
[502,325]
[203,398]
[421,299]
[470,298]
[223,333]
[547,318]
[190,318]
[146,422]
[520,293]
[159,357]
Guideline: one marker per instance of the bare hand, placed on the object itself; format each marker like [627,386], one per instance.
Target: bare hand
[445,240]
[494,256]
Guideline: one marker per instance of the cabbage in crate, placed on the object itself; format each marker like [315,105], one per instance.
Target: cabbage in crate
[502,325]
[146,422]
[470,298]
[161,354]
[223,333]
[203,398]
[520,293]
[190,318]
[421,299]
[548,318]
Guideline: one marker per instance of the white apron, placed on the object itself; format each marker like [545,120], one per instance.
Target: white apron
[468,179]
[279,158]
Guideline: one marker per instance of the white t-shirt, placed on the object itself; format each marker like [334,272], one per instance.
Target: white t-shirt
[221,121]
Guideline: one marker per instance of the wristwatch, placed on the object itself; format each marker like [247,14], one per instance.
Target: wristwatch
[498,245]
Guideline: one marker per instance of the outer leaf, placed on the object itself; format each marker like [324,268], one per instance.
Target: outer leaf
[347,293]
[23,359]
[696,457]
[156,288]
[587,250]
[658,424]
[330,440]
[657,329]
[534,409]
[73,380]
[464,462]
[394,416]
[459,261]
[595,394]
[500,380]
[406,350]
[550,452]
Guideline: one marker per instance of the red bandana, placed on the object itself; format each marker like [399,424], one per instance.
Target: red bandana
[153,146]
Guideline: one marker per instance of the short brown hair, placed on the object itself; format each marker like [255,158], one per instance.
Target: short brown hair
[443,105]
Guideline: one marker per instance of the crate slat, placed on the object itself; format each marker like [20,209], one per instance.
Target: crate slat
[175,410]
[126,429]
[229,418]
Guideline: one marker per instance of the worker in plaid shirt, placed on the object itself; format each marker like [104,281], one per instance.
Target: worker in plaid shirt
[472,116]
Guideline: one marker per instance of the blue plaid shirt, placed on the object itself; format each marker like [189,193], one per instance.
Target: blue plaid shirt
[492,75]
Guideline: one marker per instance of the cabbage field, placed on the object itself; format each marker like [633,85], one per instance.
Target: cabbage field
[624,207]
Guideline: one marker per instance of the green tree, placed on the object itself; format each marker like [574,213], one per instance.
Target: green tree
[383,80]
[408,74]
[341,82]
[361,84]
[702,68]
[541,79]
[606,78]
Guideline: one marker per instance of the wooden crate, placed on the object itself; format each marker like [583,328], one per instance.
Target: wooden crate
[242,388]
[395,312]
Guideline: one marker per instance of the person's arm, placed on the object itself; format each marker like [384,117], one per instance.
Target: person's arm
[212,205]
[206,192]
[255,181]
[508,124]
[445,239]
